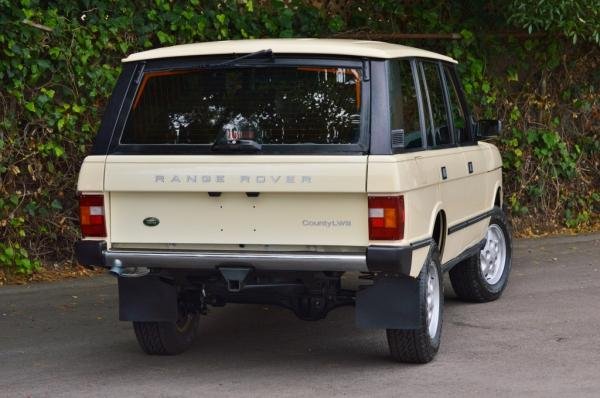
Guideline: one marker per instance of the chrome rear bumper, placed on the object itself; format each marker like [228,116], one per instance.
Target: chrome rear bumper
[274,261]
[374,258]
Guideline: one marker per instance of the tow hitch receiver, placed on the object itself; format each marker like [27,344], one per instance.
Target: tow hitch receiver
[234,277]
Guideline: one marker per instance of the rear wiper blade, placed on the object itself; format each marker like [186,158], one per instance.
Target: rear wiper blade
[239,146]
[257,54]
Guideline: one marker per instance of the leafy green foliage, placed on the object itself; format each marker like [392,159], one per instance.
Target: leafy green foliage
[16,257]
[59,61]
[576,19]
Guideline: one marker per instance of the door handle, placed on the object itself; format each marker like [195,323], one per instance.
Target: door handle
[470,167]
[444,173]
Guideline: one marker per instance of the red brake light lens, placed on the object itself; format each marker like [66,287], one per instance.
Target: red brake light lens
[91,216]
[386,217]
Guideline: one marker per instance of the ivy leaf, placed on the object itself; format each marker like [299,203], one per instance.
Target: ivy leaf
[163,37]
[58,151]
[485,87]
[30,106]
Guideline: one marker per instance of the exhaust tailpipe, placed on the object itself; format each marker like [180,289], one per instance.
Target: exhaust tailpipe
[118,270]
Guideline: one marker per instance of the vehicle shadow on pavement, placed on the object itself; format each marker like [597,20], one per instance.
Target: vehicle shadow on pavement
[239,336]
[268,337]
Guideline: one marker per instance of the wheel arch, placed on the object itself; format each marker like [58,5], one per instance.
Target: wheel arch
[438,227]
[497,198]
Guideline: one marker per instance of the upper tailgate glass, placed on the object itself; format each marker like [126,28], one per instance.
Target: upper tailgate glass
[264,105]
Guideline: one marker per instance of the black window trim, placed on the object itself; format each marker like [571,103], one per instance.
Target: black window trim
[424,106]
[380,123]
[462,99]
[427,103]
[114,108]
[413,69]
[360,148]
[438,64]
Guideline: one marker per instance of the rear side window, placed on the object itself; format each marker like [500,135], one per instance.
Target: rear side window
[266,105]
[459,122]
[404,108]
[438,130]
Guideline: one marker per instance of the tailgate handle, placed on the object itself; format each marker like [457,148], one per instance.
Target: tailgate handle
[214,194]
[252,194]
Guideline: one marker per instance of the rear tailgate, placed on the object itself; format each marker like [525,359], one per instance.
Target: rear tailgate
[254,199]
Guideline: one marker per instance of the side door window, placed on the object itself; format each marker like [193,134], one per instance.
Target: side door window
[459,121]
[404,108]
[438,126]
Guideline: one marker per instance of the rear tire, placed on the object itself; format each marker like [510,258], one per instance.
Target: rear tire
[484,276]
[167,338]
[420,345]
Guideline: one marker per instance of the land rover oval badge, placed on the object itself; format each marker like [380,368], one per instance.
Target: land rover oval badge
[151,221]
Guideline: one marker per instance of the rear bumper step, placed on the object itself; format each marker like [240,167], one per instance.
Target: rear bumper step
[389,259]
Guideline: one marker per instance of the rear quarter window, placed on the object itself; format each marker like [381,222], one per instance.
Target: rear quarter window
[404,107]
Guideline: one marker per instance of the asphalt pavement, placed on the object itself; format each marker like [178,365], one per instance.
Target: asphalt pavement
[542,338]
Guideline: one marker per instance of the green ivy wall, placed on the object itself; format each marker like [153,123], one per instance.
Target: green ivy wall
[59,61]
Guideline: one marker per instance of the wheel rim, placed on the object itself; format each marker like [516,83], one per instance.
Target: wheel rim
[433,300]
[492,258]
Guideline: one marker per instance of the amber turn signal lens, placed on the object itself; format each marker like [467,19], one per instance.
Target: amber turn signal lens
[386,217]
[91,216]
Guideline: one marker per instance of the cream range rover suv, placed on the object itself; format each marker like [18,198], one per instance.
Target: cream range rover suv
[304,173]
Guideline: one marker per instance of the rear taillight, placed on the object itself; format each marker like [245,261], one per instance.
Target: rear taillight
[386,217]
[91,216]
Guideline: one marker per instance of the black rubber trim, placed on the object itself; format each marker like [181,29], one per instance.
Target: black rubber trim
[89,252]
[421,243]
[471,251]
[380,127]
[393,259]
[470,221]
[390,259]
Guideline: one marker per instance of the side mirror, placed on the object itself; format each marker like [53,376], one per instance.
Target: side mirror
[488,128]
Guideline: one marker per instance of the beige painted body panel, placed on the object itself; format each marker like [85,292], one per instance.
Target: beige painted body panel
[91,174]
[417,175]
[233,218]
[354,48]
[275,220]
[304,200]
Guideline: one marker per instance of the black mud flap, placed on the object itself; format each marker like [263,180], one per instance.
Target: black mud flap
[390,303]
[147,299]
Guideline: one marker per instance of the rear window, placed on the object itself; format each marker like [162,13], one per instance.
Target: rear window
[265,105]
